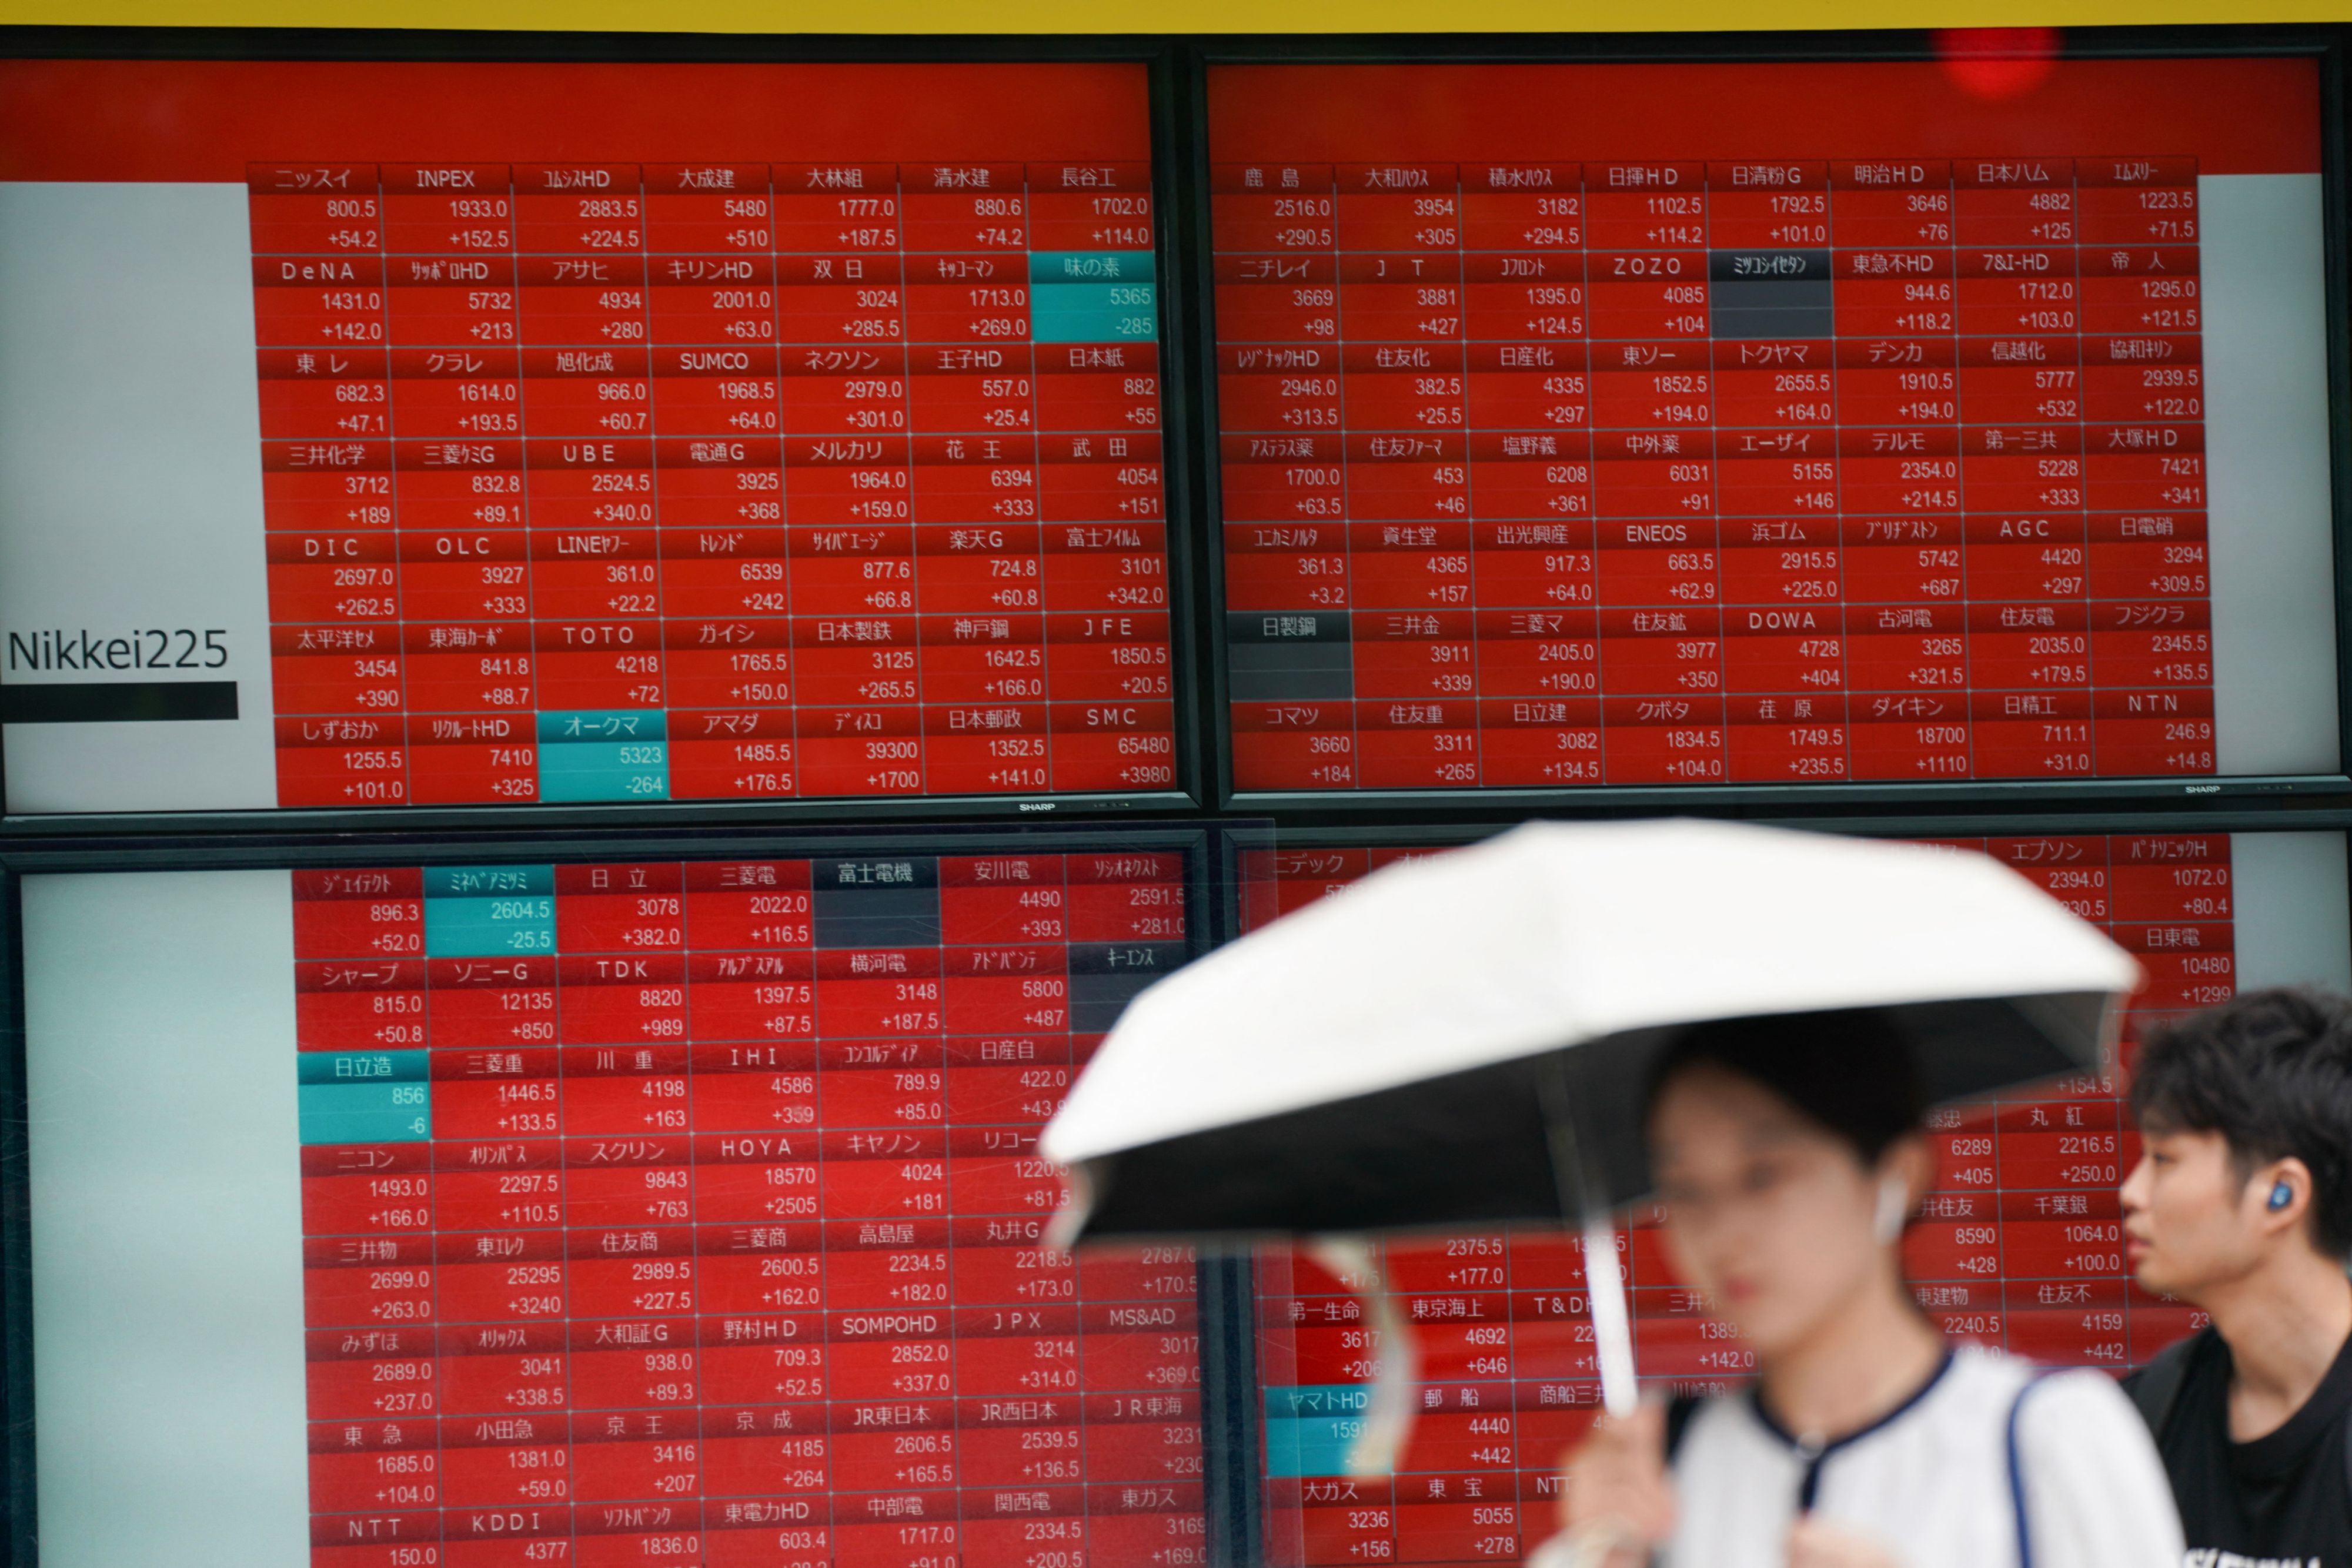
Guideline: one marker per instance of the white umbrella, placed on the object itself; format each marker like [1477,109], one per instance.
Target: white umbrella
[1467,1038]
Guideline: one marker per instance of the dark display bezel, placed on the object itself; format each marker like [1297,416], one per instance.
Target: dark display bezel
[2324,46]
[1188,653]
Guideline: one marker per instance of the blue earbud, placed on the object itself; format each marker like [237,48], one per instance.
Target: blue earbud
[2281,1195]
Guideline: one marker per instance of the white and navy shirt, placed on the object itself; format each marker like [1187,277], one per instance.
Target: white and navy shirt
[1932,1481]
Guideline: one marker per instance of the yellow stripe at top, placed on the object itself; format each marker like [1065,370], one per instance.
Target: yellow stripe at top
[1054,17]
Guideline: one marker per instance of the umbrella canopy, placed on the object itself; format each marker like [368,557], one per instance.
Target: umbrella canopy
[1431,1047]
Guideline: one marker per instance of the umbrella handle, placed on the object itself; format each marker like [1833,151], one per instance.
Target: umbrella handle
[1582,1192]
[1612,1332]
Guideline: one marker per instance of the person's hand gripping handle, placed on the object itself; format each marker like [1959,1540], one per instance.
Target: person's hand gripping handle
[1616,1499]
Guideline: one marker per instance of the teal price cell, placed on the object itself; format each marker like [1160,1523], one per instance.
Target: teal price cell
[388,1113]
[489,912]
[1309,1429]
[609,756]
[363,1067]
[487,881]
[1090,267]
[1092,312]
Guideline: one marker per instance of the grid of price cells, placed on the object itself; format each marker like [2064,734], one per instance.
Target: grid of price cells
[1754,468]
[642,481]
[681,1214]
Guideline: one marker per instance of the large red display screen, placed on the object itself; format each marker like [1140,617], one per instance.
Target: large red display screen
[1755,423]
[691,1214]
[670,432]
[2018,1246]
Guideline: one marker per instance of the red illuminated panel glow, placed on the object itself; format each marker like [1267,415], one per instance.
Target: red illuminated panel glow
[687,432]
[1612,424]
[669,1215]
[2018,1246]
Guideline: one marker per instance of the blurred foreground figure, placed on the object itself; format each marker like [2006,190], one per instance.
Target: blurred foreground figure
[2242,1204]
[1789,1158]
[1485,1037]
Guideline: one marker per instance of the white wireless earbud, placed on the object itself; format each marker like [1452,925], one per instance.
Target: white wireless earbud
[1893,1201]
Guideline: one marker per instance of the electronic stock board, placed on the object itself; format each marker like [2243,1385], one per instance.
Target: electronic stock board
[1376,444]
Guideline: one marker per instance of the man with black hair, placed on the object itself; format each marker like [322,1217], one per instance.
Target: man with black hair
[2242,1206]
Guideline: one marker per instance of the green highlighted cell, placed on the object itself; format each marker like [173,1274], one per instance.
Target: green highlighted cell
[1308,1429]
[382,1113]
[363,1067]
[1092,312]
[1090,267]
[489,912]
[1092,297]
[618,755]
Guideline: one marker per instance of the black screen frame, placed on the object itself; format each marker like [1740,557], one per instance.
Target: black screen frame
[1204,811]
[1240,1354]
[1190,656]
[1178,68]
[1216,888]
[1227,1479]
[2326,45]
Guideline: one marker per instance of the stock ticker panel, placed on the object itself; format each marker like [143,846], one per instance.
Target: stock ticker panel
[671,1214]
[1605,425]
[636,433]
[2018,1245]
